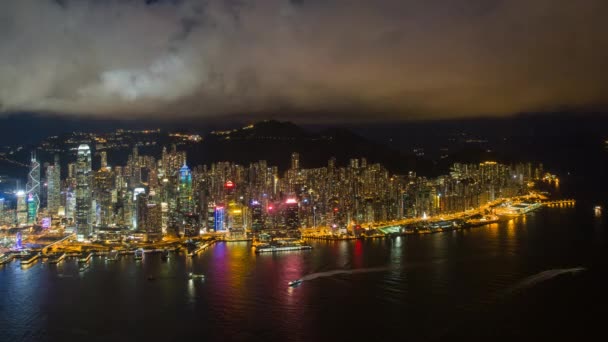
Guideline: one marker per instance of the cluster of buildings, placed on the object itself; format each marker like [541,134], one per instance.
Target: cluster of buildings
[154,197]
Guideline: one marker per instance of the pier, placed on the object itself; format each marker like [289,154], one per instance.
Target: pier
[559,203]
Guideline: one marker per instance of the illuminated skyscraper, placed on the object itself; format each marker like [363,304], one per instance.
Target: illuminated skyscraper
[295,161]
[185,196]
[21,208]
[32,189]
[257,218]
[2,213]
[83,191]
[292,220]
[53,179]
[218,219]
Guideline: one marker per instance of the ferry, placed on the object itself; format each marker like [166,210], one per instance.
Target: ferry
[85,257]
[6,258]
[272,249]
[295,283]
[139,254]
[196,276]
[83,267]
[198,250]
[30,258]
[57,258]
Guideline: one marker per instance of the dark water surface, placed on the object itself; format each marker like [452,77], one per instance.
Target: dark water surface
[476,283]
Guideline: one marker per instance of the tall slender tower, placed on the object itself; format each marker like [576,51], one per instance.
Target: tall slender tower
[32,189]
[53,177]
[186,204]
[83,191]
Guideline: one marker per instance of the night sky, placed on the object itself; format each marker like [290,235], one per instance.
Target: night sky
[310,60]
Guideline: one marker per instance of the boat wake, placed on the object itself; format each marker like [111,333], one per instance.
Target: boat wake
[544,276]
[336,272]
[369,270]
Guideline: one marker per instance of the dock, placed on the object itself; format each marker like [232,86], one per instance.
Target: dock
[6,258]
[85,257]
[57,258]
[30,258]
[199,249]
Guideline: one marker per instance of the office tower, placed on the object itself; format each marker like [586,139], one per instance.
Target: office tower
[83,191]
[21,208]
[103,155]
[295,161]
[257,217]
[218,219]
[292,220]
[2,213]
[32,189]
[53,179]
[103,190]
[185,195]
[141,206]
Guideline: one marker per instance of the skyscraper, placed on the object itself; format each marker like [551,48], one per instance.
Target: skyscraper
[185,203]
[32,189]
[53,179]
[21,208]
[257,218]
[292,220]
[83,191]
[295,161]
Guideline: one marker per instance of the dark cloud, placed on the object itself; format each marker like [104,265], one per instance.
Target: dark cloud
[393,58]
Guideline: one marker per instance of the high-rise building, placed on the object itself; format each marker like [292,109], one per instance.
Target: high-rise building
[185,195]
[83,191]
[2,213]
[257,217]
[295,161]
[218,219]
[53,180]
[32,189]
[292,220]
[21,208]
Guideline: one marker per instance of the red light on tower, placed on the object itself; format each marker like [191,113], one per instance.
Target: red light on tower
[291,201]
[269,208]
[335,209]
[229,185]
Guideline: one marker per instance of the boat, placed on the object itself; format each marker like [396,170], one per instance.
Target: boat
[598,210]
[196,276]
[165,254]
[139,254]
[84,267]
[272,249]
[295,283]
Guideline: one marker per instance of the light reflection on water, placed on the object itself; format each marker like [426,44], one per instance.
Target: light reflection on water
[245,296]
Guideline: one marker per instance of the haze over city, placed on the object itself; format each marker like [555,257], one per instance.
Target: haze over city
[309,60]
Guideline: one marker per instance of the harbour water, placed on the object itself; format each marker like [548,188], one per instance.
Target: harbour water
[535,276]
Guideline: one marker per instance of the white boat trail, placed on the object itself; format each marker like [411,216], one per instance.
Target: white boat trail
[544,276]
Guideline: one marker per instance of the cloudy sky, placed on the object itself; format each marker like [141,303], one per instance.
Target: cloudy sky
[356,59]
